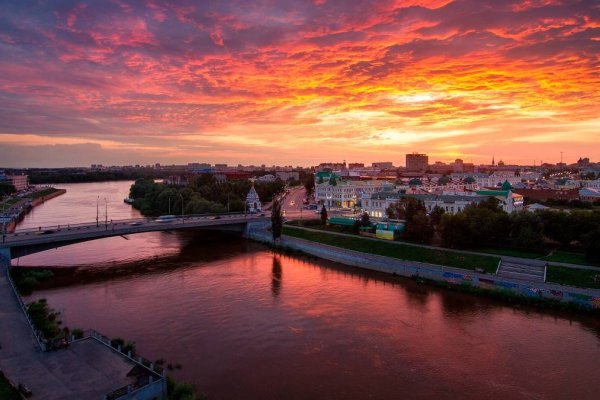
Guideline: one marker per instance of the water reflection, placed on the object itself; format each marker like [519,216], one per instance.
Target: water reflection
[276,274]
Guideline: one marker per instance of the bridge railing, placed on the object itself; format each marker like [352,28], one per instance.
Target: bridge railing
[113,223]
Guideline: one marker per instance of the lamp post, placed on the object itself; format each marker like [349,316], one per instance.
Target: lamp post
[105,213]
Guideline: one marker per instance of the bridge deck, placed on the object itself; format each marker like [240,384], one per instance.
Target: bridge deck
[73,233]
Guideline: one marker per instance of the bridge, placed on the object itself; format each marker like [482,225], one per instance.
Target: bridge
[28,241]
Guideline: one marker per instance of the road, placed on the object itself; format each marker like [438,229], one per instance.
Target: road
[123,227]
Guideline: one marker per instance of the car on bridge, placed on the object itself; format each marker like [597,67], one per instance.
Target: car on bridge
[165,218]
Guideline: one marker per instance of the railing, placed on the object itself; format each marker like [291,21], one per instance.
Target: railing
[156,376]
[36,333]
[113,223]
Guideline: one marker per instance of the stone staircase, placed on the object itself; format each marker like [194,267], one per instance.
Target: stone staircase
[533,271]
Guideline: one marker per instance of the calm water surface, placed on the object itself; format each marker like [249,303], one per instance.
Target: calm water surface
[246,323]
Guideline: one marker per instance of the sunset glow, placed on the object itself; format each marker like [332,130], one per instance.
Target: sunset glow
[298,82]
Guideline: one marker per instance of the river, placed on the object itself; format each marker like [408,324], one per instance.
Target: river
[243,322]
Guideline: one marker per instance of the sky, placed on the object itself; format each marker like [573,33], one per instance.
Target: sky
[298,82]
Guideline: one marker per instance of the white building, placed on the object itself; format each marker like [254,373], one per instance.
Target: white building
[253,201]
[267,178]
[345,193]
[288,175]
[376,204]
[589,194]
[495,180]
[595,184]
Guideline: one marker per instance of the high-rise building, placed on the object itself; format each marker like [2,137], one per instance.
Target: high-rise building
[417,162]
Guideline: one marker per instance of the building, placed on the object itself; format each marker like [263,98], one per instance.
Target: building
[288,175]
[382,165]
[345,193]
[177,180]
[548,194]
[253,201]
[417,162]
[589,194]
[267,178]
[356,165]
[20,182]
[595,184]
[495,180]
[376,204]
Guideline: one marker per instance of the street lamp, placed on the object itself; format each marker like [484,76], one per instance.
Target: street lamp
[106,213]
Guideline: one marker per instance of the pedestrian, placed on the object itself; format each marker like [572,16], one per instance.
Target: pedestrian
[3,237]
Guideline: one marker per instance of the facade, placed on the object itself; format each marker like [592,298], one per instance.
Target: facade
[382,165]
[595,184]
[267,178]
[417,162]
[345,193]
[20,182]
[288,175]
[376,204]
[509,201]
[495,180]
[589,194]
[253,201]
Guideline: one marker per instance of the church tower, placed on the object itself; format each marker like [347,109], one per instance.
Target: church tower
[252,200]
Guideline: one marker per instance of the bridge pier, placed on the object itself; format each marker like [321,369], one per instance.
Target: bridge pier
[253,227]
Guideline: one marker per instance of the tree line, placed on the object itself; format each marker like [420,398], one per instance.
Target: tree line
[487,225]
[202,195]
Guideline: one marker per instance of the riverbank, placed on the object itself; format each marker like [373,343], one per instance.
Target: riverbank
[20,206]
[474,280]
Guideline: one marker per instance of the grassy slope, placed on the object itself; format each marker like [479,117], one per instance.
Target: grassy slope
[400,251]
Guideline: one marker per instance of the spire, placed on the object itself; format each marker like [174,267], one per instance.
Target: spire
[493,163]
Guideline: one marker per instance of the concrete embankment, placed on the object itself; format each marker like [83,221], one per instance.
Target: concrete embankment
[585,298]
[26,204]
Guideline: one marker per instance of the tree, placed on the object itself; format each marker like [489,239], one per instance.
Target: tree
[591,243]
[395,211]
[456,230]
[333,180]
[526,230]
[6,188]
[309,185]
[276,219]
[365,220]
[323,215]
[436,215]
[419,229]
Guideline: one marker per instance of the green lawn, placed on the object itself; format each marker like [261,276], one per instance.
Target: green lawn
[568,257]
[395,250]
[7,392]
[512,252]
[573,277]
[41,193]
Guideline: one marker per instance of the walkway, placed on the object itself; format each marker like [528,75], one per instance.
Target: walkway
[518,260]
[85,370]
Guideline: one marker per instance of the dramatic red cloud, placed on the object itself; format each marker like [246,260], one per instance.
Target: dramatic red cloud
[302,81]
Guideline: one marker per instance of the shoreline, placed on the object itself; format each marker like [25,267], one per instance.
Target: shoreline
[516,291]
[12,225]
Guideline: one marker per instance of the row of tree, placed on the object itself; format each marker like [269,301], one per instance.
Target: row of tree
[202,195]
[486,224]
[6,188]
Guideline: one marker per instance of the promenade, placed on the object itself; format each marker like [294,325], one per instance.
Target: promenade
[85,370]
[584,297]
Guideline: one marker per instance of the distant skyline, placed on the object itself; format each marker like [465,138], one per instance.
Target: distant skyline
[298,82]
